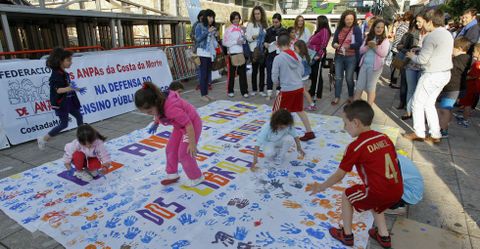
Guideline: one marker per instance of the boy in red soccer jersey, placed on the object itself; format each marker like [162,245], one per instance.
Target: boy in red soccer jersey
[374,156]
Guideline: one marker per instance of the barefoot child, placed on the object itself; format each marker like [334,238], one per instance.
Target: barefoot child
[374,156]
[87,153]
[169,109]
[287,71]
[276,138]
[302,50]
[63,98]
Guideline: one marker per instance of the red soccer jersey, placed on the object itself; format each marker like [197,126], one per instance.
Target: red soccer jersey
[374,156]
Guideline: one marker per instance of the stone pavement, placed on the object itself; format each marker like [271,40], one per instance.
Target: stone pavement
[450,169]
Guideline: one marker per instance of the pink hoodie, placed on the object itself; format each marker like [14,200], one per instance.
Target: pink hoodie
[97,150]
[178,112]
[380,53]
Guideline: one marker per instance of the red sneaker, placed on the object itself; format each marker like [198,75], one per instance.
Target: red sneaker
[338,234]
[308,136]
[166,182]
[384,241]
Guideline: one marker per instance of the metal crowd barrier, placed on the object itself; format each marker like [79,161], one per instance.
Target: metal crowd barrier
[181,64]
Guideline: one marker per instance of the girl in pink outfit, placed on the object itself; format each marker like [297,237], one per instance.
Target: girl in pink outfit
[170,109]
[87,153]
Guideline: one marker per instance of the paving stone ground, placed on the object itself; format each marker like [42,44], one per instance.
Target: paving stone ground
[450,169]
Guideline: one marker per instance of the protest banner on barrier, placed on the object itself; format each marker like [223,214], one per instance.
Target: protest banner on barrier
[110,79]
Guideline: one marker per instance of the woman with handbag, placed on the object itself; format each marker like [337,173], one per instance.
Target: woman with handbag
[206,42]
[346,42]
[255,35]
[413,71]
[233,39]
[374,50]
[319,42]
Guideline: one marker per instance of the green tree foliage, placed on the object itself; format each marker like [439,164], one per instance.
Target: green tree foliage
[456,7]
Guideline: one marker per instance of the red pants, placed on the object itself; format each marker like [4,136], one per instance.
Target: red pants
[80,161]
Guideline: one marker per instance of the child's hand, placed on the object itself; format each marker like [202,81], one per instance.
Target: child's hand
[68,166]
[372,44]
[105,167]
[192,149]
[315,188]
[153,128]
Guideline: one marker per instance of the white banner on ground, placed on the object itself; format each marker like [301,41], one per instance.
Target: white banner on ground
[232,208]
[111,78]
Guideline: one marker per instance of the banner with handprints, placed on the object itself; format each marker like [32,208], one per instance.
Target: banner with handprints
[232,208]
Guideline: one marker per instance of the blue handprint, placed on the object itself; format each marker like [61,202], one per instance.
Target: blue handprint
[272,174]
[283,172]
[323,171]
[90,225]
[132,232]
[299,174]
[220,211]
[208,203]
[185,196]
[310,165]
[112,223]
[172,229]
[290,228]
[266,197]
[187,219]
[71,200]
[109,196]
[318,178]
[229,221]
[148,236]
[297,184]
[153,128]
[325,225]
[265,239]
[255,207]
[232,187]
[180,244]
[295,163]
[246,217]
[287,241]
[240,233]
[201,212]
[310,171]
[168,189]
[130,220]
[315,233]
[221,196]
[115,234]
[307,215]
[210,222]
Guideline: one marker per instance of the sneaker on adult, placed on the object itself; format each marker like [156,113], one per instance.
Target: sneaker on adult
[263,94]
[170,179]
[195,182]
[432,140]
[269,93]
[413,137]
[384,241]
[246,95]
[231,95]
[205,99]
[311,108]
[253,94]
[307,136]
[339,234]
[41,143]
[83,175]
[210,98]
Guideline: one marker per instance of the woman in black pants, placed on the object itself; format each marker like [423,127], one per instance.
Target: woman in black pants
[319,43]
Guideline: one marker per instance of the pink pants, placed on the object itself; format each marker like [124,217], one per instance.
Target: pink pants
[177,152]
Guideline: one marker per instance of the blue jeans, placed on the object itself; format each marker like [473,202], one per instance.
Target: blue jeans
[205,74]
[269,64]
[63,116]
[344,65]
[412,77]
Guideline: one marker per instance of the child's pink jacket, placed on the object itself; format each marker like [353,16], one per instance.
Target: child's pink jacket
[178,112]
[380,53]
[97,150]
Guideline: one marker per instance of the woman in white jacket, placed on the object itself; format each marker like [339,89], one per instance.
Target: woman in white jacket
[234,39]
[256,37]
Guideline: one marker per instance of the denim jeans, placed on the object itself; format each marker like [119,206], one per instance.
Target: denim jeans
[205,74]
[63,116]
[344,65]
[412,77]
